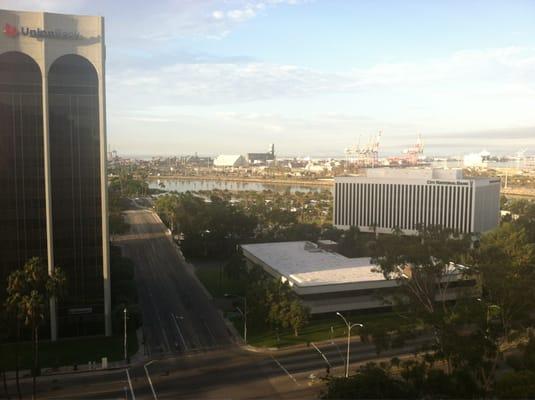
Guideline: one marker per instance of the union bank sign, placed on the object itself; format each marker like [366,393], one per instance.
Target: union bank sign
[38,33]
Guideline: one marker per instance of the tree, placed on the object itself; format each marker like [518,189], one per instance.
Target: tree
[423,266]
[516,385]
[329,232]
[298,316]
[209,228]
[505,261]
[29,291]
[166,206]
[370,382]
[284,308]
[276,298]
[415,378]
[354,243]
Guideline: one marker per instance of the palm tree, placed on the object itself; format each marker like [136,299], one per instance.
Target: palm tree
[29,291]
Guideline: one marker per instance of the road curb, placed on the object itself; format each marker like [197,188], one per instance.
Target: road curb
[339,340]
[28,375]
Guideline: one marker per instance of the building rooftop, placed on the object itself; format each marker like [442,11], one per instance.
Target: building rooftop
[304,264]
[227,159]
[415,173]
[327,241]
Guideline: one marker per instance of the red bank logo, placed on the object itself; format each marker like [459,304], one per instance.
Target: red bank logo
[10,30]
[38,33]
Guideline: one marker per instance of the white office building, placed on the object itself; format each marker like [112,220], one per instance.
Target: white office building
[386,199]
[326,281]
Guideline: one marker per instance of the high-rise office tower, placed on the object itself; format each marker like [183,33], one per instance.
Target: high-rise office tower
[53,183]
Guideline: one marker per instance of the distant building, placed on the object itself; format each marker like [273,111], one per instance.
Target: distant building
[262,158]
[233,161]
[476,159]
[196,161]
[386,199]
[327,282]
[319,166]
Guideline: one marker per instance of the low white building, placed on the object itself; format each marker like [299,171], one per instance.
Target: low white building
[327,281]
[478,160]
[230,160]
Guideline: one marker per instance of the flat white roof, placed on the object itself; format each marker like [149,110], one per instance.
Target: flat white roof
[304,264]
[415,173]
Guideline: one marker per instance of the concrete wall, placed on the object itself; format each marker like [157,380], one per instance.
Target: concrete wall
[487,207]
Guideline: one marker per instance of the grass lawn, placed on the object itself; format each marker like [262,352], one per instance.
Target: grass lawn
[214,279]
[318,329]
[67,352]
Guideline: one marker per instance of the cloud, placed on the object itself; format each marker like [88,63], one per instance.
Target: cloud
[240,11]
[479,73]
[218,14]
[167,20]
[217,83]
[461,98]
[60,6]
[485,65]
[523,133]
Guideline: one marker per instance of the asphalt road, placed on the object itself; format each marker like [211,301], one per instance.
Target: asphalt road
[193,354]
[178,316]
[228,373]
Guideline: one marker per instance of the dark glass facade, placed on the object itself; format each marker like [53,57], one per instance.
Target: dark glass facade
[22,182]
[76,196]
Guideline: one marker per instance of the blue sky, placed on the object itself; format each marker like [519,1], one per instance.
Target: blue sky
[312,76]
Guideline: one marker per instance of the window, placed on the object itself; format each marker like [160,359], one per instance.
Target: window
[75,179]
[22,201]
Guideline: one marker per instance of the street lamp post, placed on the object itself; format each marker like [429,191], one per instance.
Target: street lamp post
[245,319]
[125,337]
[349,327]
[244,313]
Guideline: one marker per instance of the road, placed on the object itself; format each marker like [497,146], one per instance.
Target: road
[178,316]
[226,373]
[193,354]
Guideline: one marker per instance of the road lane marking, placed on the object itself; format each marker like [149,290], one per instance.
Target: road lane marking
[164,336]
[150,380]
[323,355]
[130,384]
[156,312]
[173,317]
[285,370]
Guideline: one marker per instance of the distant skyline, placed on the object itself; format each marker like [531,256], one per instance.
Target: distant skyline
[312,76]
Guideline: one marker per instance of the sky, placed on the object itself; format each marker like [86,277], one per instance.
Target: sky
[315,76]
